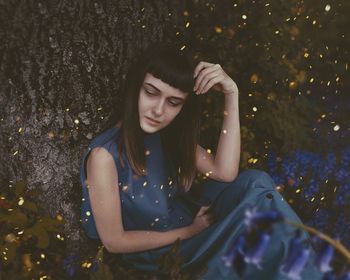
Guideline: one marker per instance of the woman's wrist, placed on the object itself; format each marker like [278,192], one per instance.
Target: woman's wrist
[190,231]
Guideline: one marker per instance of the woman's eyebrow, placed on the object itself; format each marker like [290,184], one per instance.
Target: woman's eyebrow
[153,86]
[175,97]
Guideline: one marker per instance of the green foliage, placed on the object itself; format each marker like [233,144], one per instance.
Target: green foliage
[24,232]
[170,263]
[291,134]
[32,245]
[103,271]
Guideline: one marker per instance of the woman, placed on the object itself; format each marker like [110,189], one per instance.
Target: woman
[137,175]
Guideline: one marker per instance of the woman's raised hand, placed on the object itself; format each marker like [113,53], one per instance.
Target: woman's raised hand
[210,75]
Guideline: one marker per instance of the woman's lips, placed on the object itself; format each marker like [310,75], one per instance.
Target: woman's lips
[152,121]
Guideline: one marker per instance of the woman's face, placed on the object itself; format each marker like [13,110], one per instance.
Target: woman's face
[160,102]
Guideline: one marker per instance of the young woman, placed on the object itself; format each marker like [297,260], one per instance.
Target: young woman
[137,175]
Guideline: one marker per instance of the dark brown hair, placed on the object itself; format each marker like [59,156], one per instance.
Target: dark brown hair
[179,139]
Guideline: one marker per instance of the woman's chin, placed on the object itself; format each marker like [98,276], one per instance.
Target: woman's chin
[148,128]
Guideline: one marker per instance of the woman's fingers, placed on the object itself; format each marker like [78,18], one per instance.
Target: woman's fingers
[210,218]
[203,73]
[211,81]
[199,67]
[202,210]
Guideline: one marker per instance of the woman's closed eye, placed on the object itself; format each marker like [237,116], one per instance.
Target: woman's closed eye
[150,93]
[171,103]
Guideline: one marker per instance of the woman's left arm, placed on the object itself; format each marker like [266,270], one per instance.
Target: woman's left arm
[228,151]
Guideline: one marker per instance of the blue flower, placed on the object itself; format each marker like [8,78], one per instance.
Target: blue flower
[234,252]
[312,189]
[94,266]
[255,219]
[255,253]
[289,168]
[234,257]
[324,257]
[296,259]
[342,175]
[320,219]
[271,161]
[330,163]
[293,267]
[329,276]
[346,157]
[69,264]
[278,179]
[346,276]
[342,227]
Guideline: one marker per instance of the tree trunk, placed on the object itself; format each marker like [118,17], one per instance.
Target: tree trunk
[62,66]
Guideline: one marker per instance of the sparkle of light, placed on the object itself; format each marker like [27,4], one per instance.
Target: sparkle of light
[218,29]
[21,201]
[253,160]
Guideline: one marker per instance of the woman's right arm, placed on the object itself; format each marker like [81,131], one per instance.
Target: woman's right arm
[102,181]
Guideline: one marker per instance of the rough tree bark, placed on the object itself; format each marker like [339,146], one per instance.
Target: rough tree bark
[62,65]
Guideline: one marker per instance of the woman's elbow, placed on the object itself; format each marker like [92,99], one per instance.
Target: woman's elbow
[115,247]
[229,177]
[110,249]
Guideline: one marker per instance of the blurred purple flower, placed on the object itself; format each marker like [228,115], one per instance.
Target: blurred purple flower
[256,219]
[342,174]
[329,276]
[296,259]
[235,252]
[324,257]
[293,267]
[94,266]
[234,257]
[255,253]
[69,265]
[346,276]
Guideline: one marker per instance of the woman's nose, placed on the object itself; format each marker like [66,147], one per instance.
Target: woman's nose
[159,108]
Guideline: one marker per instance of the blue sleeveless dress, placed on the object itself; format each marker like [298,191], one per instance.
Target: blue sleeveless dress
[154,202]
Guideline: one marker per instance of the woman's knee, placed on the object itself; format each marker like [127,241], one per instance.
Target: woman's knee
[250,181]
[257,177]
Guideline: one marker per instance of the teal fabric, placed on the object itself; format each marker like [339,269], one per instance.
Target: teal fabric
[154,202]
